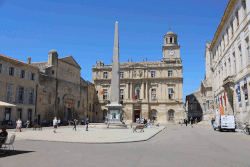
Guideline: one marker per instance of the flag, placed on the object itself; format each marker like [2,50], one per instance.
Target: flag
[172,91]
[135,96]
[221,100]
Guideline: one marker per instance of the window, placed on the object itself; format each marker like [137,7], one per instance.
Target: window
[89,106]
[204,107]
[33,76]
[171,93]
[121,74]
[22,75]
[58,99]
[105,75]
[234,63]
[52,71]
[170,73]
[19,113]
[79,102]
[248,51]
[154,115]
[7,114]
[9,93]
[232,26]
[105,95]
[11,71]
[31,93]
[21,93]
[0,68]
[93,109]
[153,94]
[241,61]
[152,74]
[198,107]
[192,107]
[237,18]
[121,93]
[227,36]
[207,105]
[171,40]
[229,67]
[171,115]
[244,8]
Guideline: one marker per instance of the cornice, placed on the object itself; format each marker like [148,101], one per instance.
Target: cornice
[227,14]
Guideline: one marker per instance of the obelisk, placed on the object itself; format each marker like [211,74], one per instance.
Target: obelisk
[114,108]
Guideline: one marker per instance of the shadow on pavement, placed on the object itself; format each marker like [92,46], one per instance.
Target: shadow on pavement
[12,153]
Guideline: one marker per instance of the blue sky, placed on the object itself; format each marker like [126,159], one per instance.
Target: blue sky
[85,30]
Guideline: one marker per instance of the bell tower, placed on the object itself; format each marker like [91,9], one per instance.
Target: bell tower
[170,47]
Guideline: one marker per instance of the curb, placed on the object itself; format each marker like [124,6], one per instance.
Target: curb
[119,142]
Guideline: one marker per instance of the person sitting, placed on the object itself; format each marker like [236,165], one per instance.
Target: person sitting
[3,134]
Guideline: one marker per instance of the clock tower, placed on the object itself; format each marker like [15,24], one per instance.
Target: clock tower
[170,48]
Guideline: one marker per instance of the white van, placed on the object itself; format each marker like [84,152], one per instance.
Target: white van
[225,122]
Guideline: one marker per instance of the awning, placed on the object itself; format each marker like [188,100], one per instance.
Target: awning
[6,104]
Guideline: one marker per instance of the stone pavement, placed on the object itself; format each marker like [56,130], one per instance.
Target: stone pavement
[94,135]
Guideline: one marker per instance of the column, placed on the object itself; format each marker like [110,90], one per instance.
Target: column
[126,91]
[146,90]
[142,90]
[130,96]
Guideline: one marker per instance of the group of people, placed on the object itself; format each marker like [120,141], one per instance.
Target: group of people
[192,121]
[56,122]
[143,121]
[19,124]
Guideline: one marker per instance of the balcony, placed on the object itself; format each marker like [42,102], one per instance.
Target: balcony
[228,81]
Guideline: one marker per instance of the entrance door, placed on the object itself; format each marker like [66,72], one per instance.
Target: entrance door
[30,115]
[69,114]
[7,114]
[39,119]
[136,114]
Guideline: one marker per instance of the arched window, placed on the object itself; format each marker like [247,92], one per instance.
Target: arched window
[154,116]
[79,100]
[171,115]
[171,40]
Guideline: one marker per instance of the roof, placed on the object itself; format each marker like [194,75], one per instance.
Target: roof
[226,15]
[18,61]
[67,60]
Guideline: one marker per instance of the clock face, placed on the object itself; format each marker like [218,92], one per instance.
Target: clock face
[171,52]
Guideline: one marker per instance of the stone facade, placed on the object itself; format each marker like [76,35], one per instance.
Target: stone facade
[18,85]
[159,86]
[61,90]
[92,112]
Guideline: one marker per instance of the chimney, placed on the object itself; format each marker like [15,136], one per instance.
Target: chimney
[29,60]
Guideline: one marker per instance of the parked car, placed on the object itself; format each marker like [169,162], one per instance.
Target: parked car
[224,122]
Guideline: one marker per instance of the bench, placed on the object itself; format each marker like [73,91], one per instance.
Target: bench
[37,126]
[139,127]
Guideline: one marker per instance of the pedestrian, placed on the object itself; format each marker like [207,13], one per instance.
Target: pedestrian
[55,123]
[87,124]
[181,122]
[28,124]
[74,122]
[58,121]
[148,123]
[185,121]
[19,125]
[191,121]
[196,121]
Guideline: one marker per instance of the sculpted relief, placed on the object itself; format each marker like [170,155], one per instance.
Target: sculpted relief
[137,73]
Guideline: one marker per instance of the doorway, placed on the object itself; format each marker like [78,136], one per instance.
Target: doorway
[68,114]
[136,114]
[30,115]
[39,119]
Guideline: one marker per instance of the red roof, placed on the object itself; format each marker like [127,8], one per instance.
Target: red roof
[16,60]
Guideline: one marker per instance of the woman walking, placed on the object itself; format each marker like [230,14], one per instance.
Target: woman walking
[28,124]
[74,124]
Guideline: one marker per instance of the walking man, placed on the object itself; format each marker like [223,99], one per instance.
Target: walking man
[87,124]
[55,122]
[191,121]
[74,124]
[186,121]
